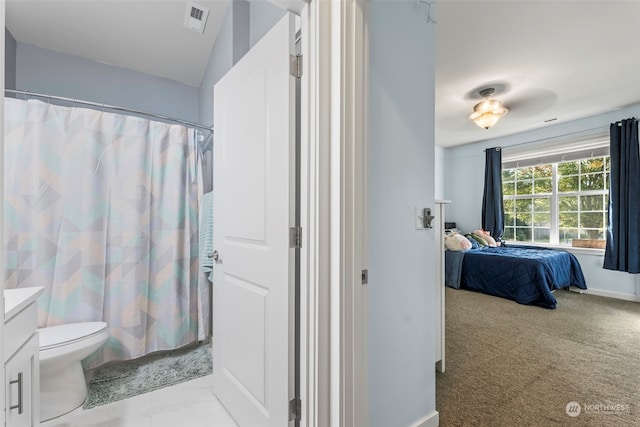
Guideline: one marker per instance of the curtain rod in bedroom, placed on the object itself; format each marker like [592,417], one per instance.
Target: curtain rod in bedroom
[587,131]
[111,107]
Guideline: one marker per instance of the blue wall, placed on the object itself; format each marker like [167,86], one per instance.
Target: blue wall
[32,68]
[401,336]
[241,24]
[262,18]
[44,71]
[10,47]
[463,177]
[220,61]
[244,24]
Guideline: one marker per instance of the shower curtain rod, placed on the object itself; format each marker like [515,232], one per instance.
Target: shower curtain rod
[26,93]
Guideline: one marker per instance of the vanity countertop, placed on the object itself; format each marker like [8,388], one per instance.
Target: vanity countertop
[18,298]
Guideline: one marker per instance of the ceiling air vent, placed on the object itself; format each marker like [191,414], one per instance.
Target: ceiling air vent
[195,17]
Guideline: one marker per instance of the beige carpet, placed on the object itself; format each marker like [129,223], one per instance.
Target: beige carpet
[515,365]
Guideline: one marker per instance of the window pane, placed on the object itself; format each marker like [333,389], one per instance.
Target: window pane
[541,234]
[592,220]
[523,234]
[568,203]
[508,175]
[569,168]
[524,187]
[509,219]
[592,181]
[509,233]
[592,165]
[509,206]
[568,184]
[592,203]
[542,205]
[508,189]
[542,220]
[568,220]
[567,235]
[593,234]
[524,205]
[583,234]
[523,219]
[579,215]
[524,173]
[542,171]
[542,186]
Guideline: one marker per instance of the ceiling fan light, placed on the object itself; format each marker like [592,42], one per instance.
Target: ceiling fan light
[485,120]
[488,112]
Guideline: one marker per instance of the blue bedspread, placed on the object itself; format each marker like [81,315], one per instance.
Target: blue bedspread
[521,273]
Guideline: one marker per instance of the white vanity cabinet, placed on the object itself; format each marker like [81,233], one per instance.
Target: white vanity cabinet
[21,362]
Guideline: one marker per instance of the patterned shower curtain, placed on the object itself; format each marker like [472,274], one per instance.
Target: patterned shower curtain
[102,210]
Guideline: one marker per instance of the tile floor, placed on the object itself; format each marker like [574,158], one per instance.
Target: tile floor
[191,404]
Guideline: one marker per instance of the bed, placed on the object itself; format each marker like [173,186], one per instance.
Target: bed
[524,274]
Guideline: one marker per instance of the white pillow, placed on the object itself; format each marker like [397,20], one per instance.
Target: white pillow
[456,242]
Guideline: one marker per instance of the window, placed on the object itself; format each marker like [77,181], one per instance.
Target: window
[558,201]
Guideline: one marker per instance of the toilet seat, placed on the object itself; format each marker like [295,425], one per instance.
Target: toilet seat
[62,335]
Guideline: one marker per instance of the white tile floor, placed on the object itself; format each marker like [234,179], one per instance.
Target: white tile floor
[191,404]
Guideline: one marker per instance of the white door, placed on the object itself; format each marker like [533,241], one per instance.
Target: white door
[254,208]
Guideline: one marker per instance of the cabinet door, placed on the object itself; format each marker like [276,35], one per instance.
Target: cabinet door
[22,387]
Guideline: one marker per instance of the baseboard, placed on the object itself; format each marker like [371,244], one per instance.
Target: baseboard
[431,420]
[616,295]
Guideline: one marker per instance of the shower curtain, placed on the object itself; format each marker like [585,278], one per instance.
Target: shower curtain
[102,210]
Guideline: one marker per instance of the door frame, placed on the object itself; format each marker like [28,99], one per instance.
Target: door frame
[334,88]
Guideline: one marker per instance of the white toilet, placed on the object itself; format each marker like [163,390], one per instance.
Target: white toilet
[62,383]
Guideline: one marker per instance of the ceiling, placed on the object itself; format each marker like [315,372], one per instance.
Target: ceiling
[141,35]
[548,60]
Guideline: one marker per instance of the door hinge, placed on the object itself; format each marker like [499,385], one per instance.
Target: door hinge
[295,237]
[296,66]
[365,277]
[295,409]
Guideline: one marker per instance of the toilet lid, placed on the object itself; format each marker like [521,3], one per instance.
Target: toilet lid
[55,336]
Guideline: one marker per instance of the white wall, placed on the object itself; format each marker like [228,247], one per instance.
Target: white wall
[401,262]
[464,182]
[45,71]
